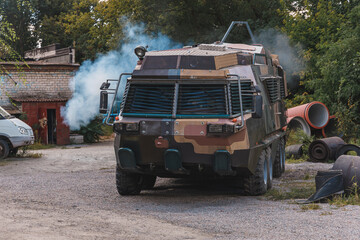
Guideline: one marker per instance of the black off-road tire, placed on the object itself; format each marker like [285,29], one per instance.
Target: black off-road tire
[128,183]
[279,163]
[148,182]
[256,184]
[4,149]
[270,168]
[13,152]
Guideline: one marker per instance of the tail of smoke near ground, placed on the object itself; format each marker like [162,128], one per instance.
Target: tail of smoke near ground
[84,105]
[278,43]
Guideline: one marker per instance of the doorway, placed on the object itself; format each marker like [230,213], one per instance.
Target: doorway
[51,117]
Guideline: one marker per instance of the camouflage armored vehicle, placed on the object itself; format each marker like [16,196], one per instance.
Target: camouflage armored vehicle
[211,109]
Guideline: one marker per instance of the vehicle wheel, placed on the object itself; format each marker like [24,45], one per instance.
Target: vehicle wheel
[270,168]
[257,184]
[148,182]
[128,183]
[279,163]
[4,149]
[13,152]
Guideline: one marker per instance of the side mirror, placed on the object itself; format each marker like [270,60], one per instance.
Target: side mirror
[258,107]
[103,102]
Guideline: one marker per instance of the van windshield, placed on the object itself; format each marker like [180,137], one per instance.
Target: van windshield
[4,114]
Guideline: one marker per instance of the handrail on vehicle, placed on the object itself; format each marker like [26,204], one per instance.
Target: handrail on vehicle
[113,101]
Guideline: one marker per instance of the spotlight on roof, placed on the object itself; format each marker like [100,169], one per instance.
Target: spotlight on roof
[140,52]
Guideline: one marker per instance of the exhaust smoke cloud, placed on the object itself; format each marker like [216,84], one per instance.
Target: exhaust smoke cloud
[84,104]
[278,43]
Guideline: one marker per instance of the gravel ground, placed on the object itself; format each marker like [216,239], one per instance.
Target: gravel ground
[70,194]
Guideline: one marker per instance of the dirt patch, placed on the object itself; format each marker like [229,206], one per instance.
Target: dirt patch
[70,193]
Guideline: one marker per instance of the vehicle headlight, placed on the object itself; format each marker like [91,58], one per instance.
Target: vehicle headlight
[23,130]
[132,127]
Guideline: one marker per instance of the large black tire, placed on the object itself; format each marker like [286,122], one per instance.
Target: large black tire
[256,184]
[148,182]
[13,152]
[128,183]
[270,168]
[279,163]
[4,149]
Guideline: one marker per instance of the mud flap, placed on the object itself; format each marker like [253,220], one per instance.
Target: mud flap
[222,163]
[173,163]
[127,158]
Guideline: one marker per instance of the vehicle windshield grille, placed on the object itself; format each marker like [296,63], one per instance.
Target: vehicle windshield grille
[193,100]
[202,99]
[150,99]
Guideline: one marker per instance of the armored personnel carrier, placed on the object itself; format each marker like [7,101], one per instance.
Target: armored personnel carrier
[210,109]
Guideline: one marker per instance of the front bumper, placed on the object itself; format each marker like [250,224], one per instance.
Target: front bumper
[21,141]
[140,154]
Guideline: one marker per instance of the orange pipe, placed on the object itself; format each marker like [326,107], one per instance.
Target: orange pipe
[316,114]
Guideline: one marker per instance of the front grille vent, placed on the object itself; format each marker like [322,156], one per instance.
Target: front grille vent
[150,99]
[202,99]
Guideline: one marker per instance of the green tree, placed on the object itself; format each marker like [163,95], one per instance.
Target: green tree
[339,86]
[48,14]
[20,14]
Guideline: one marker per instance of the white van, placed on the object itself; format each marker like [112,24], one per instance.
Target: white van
[14,133]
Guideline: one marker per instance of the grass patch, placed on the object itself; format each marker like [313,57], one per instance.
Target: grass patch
[311,206]
[294,190]
[39,146]
[326,213]
[344,200]
[294,160]
[29,155]
[3,163]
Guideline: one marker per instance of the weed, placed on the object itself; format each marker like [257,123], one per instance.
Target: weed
[311,206]
[299,137]
[3,163]
[294,160]
[326,213]
[23,153]
[307,176]
[292,190]
[39,146]
[352,198]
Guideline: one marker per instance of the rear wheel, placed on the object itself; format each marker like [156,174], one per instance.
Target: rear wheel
[257,183]
[128,183]
[4,149]
[279,163]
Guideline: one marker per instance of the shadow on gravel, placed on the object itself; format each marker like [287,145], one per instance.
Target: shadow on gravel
[196,187]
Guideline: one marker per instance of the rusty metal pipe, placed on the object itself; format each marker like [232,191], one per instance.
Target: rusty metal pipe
[316,114]
[325,149]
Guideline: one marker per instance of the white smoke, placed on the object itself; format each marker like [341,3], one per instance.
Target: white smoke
[289,55]
[84,104]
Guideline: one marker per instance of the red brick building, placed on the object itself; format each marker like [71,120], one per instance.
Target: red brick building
[38,90]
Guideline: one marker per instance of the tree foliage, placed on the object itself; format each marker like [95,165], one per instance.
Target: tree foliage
[327,31]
